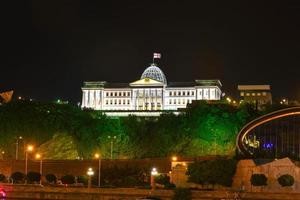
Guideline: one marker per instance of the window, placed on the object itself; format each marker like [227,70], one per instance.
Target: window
[123,101]
[106,102]
[120,102]
[128,93]
[242,94]
[120,93]
[111,102]
[183,101]
[111,94]
[107,94]
[170,101]
[170,93]
[258,94]
[174,101]
[124,94]
[128,102]
[188,93]
[264,94]
[115,101]
[247,94]
[253,94]
[179,101]
[179,93]
[192,93]
[183,93]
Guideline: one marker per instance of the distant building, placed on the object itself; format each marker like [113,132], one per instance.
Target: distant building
[148,96]
[256,94]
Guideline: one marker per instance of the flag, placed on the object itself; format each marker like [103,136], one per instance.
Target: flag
[156,55]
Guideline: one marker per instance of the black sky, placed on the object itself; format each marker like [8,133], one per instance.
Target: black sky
[50,47]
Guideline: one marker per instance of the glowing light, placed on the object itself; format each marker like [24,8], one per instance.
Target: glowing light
[154,171]
[228,99]
[29,148]
[90,172]
[97,155]
[174,158]
[38,156]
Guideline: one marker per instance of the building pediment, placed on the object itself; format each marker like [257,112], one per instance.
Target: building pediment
[145,82]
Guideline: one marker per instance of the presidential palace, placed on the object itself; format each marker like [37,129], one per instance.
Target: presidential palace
[151,95]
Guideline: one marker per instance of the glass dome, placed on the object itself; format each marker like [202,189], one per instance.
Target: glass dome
[154,73]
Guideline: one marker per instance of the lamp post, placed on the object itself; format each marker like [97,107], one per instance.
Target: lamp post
[90,173]
[112,138]
[97,156]
[17,146]
[39,157]
[153,174]
[28,150]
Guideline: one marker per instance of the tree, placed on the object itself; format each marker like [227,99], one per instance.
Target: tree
[68,179]
[51,178]
[33,177]
[18,177]
[286,180]
[258,180]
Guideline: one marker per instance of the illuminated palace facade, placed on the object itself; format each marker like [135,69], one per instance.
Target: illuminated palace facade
[150,95]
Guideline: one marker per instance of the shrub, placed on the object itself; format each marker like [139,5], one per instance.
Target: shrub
[83,180]
[33,177]
[68,179]
[286,180]
[2,178]
[258,180]
[182,194]
[164,180]
[219,171]
[18,177]
[51,178]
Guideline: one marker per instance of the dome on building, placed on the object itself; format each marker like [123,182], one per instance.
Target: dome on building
[154,73]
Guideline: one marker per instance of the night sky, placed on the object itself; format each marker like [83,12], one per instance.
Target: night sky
[50,47]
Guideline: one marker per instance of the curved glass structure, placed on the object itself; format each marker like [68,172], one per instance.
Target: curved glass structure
[154,73]
[275,134]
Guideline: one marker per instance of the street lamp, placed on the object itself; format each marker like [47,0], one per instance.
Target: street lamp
[28,150]
[17,146]
[153,174]
[112,138]
[97,156]
[90,173]
[39,157]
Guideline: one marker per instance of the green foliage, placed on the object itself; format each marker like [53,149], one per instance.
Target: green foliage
[286,180]
[65,131]
[51,178]
[258,180]
[18,177]
[68,179]
[219,171]
[182,194]
[33,177]
[2,178]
